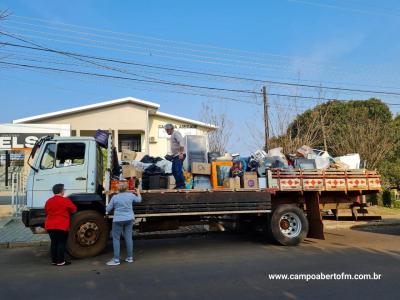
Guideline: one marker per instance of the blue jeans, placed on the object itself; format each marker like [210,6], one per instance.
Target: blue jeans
[117,229]
[177,166]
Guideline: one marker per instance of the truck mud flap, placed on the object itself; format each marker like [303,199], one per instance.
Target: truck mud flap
[316,227]
[34,217]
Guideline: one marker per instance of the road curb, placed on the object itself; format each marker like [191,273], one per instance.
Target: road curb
[21,244]
[354,224]
[376,224]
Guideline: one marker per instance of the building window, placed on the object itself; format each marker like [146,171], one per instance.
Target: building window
[130,142]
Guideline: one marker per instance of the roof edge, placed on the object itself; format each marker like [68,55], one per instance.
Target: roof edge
[88,107]
[162,114]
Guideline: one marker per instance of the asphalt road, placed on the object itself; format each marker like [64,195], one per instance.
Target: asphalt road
[214,266]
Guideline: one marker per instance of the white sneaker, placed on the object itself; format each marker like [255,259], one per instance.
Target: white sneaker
[129,259]
[113,262]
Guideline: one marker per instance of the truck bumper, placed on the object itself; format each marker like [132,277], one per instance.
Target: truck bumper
[34,217]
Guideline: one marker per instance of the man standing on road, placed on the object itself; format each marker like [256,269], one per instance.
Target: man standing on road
[178,155]
[58,210]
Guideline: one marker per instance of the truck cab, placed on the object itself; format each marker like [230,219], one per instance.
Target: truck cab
[74,161]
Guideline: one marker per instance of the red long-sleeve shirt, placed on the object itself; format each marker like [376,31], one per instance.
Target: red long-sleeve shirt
[58,210]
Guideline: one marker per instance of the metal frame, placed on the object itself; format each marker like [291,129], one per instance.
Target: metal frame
[18,193]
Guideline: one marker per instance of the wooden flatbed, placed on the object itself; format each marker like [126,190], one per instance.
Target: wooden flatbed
[310,189]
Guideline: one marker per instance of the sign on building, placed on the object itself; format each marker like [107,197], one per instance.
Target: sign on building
[184,129]
[24,136]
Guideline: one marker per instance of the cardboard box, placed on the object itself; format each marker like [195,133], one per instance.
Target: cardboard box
[140,155]
[201,168]
[128,155]
[250,180]
[129,171]
[232,183]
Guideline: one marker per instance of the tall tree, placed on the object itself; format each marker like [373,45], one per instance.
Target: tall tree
[349,126]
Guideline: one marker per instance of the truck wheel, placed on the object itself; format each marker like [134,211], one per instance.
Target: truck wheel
[88,235]
[289,225]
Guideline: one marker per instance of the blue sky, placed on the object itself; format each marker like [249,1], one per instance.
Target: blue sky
[344,43]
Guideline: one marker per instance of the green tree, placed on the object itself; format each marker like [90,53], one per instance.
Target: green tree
[336,119]
[390,167]
[366,127]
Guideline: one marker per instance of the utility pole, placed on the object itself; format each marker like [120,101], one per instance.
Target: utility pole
[322,120]
[266,119]
[324,134]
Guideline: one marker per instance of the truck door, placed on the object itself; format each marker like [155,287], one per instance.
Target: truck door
[61,162]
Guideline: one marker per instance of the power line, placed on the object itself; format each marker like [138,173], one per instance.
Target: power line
[76,57]
[153,51]
[124,40]
[225,49]
[181,56]
[240,75]
[169,54]
[61,27]
[131,87]
[212,59]
[107,67]
[100,65]
[178,84]
[209,74]
[132,79]
[284,68]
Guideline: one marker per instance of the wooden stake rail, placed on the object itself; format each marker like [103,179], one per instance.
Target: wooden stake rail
[326,180]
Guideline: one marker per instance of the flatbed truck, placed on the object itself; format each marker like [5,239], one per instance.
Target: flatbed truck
[288,209]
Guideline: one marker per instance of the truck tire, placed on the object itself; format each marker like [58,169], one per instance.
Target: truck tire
[88,234]
[289,225]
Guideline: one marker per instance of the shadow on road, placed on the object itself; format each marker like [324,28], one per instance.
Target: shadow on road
[392,228]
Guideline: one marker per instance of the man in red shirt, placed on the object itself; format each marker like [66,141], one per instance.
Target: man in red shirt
[58,210]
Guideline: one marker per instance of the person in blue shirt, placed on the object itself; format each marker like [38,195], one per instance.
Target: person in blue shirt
[121,204]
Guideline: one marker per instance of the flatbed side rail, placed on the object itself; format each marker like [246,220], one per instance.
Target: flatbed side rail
[203,202]
[325,180]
